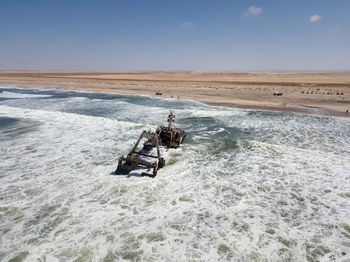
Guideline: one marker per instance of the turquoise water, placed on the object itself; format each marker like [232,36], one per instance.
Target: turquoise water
[246,185]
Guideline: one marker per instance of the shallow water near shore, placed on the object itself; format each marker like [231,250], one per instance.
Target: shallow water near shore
[245,185]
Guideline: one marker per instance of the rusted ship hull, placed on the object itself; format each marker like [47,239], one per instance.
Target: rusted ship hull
[169,137]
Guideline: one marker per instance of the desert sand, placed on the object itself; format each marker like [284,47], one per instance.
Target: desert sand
[326,93]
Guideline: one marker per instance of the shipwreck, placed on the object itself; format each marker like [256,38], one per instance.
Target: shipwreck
[149,156]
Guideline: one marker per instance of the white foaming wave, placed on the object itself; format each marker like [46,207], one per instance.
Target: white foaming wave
[305,131]
[331,156]
[16,87]
[45,89]
[58,175]
[70,145]
[6,94]
[220,130]
[279,187]
[75,129]
[220,114]
[42,115]
[205,204]
[65,135]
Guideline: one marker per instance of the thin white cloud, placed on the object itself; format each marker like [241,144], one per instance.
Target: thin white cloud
[335,29]
[187,24]
[253,10]
[315,18]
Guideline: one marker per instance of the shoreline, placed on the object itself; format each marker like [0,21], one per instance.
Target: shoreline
[322,93]
[301,110]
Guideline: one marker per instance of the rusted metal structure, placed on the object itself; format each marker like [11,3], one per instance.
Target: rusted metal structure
[169,137]
[142,158]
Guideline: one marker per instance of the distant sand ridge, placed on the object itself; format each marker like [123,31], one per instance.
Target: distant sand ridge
[310,92]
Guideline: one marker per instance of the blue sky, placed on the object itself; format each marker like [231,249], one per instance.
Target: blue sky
[175,35]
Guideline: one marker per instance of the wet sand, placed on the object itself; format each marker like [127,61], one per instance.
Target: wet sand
[326,93]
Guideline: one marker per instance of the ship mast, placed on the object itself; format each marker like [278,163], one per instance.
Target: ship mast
[171,119]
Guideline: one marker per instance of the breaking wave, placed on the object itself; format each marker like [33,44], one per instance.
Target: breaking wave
[245,185]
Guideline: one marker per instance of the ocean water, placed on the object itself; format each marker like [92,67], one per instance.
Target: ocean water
[245,185]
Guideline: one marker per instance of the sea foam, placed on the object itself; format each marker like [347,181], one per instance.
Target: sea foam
[245,185]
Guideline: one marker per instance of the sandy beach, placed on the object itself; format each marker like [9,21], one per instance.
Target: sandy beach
[325,93]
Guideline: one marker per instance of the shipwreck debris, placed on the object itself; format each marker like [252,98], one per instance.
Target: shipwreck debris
[149,156]
[142,158]
[171,137]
